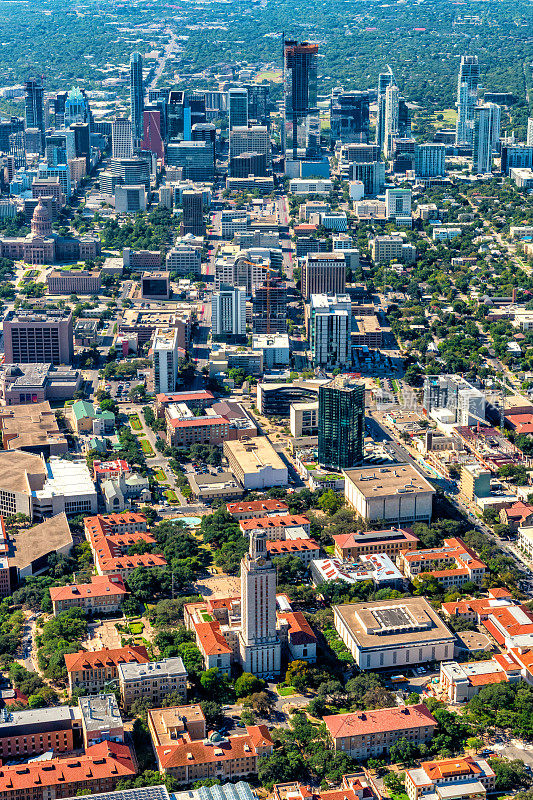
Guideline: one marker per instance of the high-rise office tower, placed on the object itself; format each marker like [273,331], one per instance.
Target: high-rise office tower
[17,148]
[258,103]
[238,107]
[76,107]
[122,138]
[228,311]
[530,132]
[323,273]
[260,647]
[270,307]
[184,111]
[384,79]
[486,125]
[193,213]
[34,104]
[254,139]
[467,92]
[136,95]
[341,423]
[301,128]
[392,118]
[32,337]
[60,147]
[7,127]
[152,132]
[349,116]
[82,142]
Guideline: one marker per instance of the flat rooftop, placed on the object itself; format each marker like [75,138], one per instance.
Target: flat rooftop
[21,472]
[381,481]
[100,711]
[404,621]
[27,546]
[255,454]
[154,669]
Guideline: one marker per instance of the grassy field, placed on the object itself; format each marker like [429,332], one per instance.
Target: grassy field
[171,496]
[136,628]
[449,117]
[159,475]
[135,423]
[147,448]
[286,691]
[273,75]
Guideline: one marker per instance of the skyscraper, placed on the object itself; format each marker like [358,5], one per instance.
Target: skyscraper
[330,318]
[82,142]
[270,307]
[384,79]
[260,647]
[228,311]
[486,131]
[258,103]
[392,118]
[430,159]
[301,129]
[165,354]
[193,213]
[122,138]
[136,95]
[76,107]
[34,104]
[341,423]
[152,132]
[467,92]
[530,132]
[237,107]
[349,116]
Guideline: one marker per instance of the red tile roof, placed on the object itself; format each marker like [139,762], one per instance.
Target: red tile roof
[283,547]
[256,505]
[300,632]
[85,659]
[110,545]
[357,539]
[210,638]
[104,760]
[186,753]
[183,397]
[381,719]
[285,521]
[100,586]
[197,422]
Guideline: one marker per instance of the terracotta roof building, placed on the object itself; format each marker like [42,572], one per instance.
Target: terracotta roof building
[111,536]
[301,639]
[450,779]
[90,671]
[451,565]
[391,541]
[461,682]
[369,734]
[257,508]
[103,595]
[275,526]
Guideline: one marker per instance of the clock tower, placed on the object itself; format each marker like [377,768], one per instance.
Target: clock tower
[260,646]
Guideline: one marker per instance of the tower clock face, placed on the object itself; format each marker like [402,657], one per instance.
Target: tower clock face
[261,562]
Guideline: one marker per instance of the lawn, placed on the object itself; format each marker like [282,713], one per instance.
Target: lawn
[159,475]
[147,448]
[135,423]
[136,628]
[273,75]
[285,691]
[449,116]
[171,496]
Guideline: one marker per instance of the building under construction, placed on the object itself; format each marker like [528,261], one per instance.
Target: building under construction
[270,307]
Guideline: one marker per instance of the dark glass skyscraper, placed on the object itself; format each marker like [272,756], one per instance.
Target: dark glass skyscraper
[34,103]
[349,116]
[301,130]
[136,95]
[341,423]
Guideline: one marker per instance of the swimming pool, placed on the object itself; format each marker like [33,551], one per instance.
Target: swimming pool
[191,522]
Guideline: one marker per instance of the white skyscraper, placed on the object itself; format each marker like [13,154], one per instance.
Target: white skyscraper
[122,138]
[260,647]
[392,118]
[228,311]
[385,79]
[165,358]
[330,325]
[467,92]
[398,202]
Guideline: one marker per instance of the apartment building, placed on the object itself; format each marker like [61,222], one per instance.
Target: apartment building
[391,541]
[182,750]
[453,564]
[459,778]
[111,536]
[80,281]
[153,681]
[103,595]
[91,671]
[368,734]
[392,248]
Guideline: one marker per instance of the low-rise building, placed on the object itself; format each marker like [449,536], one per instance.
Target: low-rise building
[255,463]
[451,565]
[86,418]
[33,731]
[255,509]
[276,527]
[74,281]
[111,536]
[397,494]
[461,682]
[153,681]
[35,383]
[377,568]
[32,428]
[456,778]
[99,769]
[298,635]
[92,671]
[304,549]
[393,633]
[391,541]
[367,734]
[103,595]
[183,751]
[101,719]
[222,486]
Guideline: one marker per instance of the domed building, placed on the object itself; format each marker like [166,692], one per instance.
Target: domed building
[43,246]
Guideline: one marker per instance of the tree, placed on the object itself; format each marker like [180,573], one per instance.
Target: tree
[297,675]
[212,713]
[394,781]
[260,702]
[330,502]
[403,752]
[210,680]
[246,684]
[509,774]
